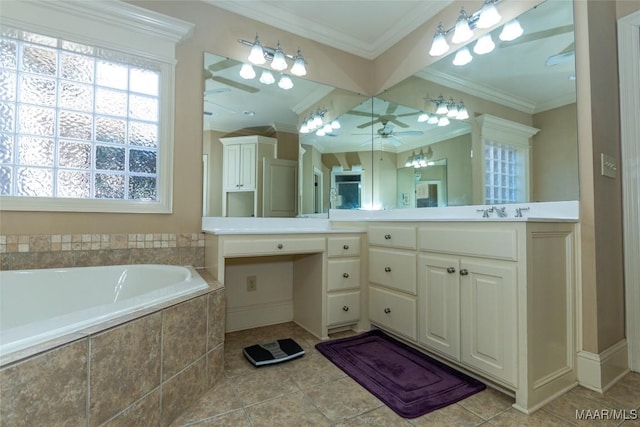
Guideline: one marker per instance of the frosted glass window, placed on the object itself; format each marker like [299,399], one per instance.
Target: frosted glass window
[77,121]
[501,170]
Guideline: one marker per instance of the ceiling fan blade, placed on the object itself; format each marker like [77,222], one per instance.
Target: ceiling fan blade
[409,133]
[391,108]
[366,125]
[399,123]
[222,65]
[538,35]
[559,58]
[237,85]
[216,91]
[368,141]
[415,113]
[222,107]
[394,141]
[361,113]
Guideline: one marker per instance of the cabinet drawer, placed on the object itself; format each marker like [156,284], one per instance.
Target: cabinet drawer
[394,311]
[343,307]
[343,274]
[272,246]
[393,237]
[490,242]
[343,246]
[393,269]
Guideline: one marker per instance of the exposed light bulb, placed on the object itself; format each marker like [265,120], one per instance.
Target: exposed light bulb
[247,72]
[511,31]
[484,45]
[462,31]
[285,82]
[443,121]
[423,117]
[489,15]
[335,124]
[298,68]
[279,63]
[256,56]
[463,57]
[439,46]
[267,78]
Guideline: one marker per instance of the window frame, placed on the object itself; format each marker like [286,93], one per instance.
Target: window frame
[118,27]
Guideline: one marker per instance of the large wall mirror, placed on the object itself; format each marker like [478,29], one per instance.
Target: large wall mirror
[395,150]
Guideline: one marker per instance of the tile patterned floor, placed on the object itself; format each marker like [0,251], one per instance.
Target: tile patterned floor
[311,391]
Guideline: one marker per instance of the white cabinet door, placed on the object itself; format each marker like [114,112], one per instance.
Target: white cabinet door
[439,304]
[231,167]
[489,317]
[248,167]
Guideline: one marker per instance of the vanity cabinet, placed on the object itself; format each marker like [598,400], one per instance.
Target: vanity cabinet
[495,298]
[467,311]
[392,278]
[242,173]
[343,280]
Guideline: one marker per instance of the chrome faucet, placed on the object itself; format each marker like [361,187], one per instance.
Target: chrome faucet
[519,212]
[485,212]
[502,212]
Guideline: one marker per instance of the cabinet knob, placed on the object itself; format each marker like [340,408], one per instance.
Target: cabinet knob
[387,269]
[451,270]
[280,246]
[464,272]
[387,236]
[345,308]
[387,310]
[345,247]
[345,275]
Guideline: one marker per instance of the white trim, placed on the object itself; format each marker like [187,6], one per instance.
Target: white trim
[629,70]
[598,372]
[253,316]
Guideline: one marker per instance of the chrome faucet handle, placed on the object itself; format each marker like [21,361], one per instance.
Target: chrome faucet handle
[485,212]
[519,212]
[502,211]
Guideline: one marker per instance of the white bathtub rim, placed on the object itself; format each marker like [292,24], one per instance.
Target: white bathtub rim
[61,335]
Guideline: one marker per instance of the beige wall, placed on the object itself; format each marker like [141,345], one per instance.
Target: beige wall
[600,197]
[554,158]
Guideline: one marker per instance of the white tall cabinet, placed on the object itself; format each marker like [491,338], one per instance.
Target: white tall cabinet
[242,173]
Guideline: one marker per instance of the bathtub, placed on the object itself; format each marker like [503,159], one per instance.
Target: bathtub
[45,304]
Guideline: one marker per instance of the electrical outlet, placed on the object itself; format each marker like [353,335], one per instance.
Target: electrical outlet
[252,283]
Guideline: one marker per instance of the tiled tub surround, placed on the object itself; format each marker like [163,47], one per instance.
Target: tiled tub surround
[142,369]
[19,252]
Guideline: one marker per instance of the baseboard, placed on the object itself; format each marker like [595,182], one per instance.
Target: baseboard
[598,372]
[253,316]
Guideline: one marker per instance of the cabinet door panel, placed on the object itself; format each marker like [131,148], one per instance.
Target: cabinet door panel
[489,329]
[248,167]
[439,304]
[231,167]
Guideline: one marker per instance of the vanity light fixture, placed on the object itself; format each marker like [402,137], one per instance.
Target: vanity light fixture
[423,117]
[261,54]
[267,78]
[463,57]
[489,15]
[463,114]
[445,110]
[335,124]
[511,31]
[439,46]
[443,121]
[484,45]
[462,31]
[419,160]
[285,82]
[247,72]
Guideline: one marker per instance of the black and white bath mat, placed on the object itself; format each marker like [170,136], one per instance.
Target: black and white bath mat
[273,352]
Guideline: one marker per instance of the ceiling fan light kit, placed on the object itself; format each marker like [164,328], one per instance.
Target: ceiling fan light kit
[486,17]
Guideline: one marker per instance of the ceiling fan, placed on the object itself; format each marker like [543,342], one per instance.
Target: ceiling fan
[383,118]
[386,133]
[208,75]
[566,55]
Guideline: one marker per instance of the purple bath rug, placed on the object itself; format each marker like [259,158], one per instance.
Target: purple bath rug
[406,380]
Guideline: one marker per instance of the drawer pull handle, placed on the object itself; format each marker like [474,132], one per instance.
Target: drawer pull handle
[464,272]
[280,246]
[387,269]
[387,236]
[345,247]
[387,310]
[345,308]
[451,270]
[345,275]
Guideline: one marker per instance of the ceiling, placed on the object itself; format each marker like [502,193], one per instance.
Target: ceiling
[513,74]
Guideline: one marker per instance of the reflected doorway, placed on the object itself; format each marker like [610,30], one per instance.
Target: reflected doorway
[318,176]
[346,189]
